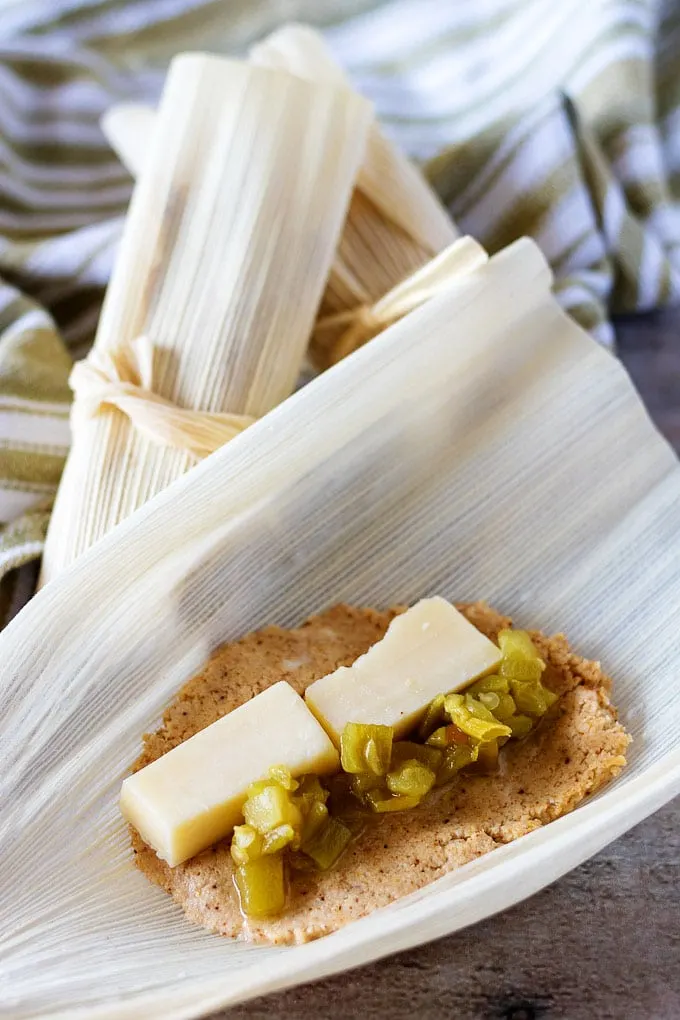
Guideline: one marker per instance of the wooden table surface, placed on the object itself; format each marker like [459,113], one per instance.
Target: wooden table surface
[603,943]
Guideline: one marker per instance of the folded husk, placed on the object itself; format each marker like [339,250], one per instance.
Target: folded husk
[484,446]
[218,268]
[395,222]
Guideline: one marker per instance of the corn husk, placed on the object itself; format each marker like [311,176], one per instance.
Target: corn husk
[395,222]
[483,446]
[218,269]
[129,129]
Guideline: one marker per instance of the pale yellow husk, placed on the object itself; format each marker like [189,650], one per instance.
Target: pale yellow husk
[395,223]
[221,273]
[483,446]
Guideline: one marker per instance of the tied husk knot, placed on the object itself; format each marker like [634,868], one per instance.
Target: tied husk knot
[122,378]
[365,321]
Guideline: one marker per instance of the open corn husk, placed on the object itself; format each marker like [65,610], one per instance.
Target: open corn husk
[215,287]
[482,447]
[395,222]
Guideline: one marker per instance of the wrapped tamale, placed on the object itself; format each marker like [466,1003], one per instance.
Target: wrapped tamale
[395,222]
[225,254]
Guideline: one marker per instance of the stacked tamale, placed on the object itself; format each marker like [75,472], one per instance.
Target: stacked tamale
[270,220]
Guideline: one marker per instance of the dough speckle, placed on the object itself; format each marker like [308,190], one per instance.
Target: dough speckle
[570,755]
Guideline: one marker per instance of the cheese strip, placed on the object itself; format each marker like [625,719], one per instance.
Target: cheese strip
[428,650]
[192,796]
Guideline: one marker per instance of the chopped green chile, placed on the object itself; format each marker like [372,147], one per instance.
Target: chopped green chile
[405,750]
[281,775]
[433,717]
[487,758]
[259,785]
[299,861]
[490,700]
[410,779]
[438,739]
[474,719]
[350,810]
[278,839]
[517,644]
[477,708]
[521,725]
[311,790]
[521,669]
[270,807]
[445,735]
[456,757]
[376,761]
[532,697]
[261,886]
[366,748]
[521,660]
[364,783]
[493,684]
[455,735]
[505,709]
[550,697]
[343,803]
[315,818]
[246,844]
[328,843]
[383,803]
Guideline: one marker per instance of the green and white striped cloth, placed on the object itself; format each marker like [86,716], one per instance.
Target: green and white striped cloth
[556,119]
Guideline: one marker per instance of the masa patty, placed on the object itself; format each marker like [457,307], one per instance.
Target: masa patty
[569,756]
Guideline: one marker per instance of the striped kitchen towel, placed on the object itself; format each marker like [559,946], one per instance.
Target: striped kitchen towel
[560,120]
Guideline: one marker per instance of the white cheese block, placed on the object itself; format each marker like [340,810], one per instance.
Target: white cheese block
[193,796]
[428,650]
